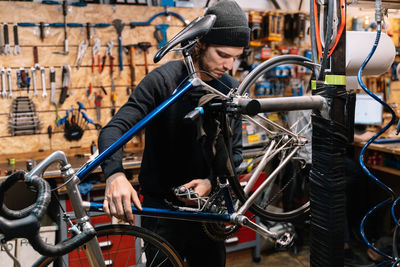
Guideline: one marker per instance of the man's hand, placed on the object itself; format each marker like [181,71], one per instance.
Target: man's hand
[118,198]
[200,186]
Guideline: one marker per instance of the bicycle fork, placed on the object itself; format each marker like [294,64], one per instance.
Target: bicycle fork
[92,249]
[71,181]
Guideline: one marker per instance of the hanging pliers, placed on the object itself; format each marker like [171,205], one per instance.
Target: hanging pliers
[108,53]
[95,51]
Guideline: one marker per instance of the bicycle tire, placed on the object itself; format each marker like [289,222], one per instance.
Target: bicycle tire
[263,212]
[123,237]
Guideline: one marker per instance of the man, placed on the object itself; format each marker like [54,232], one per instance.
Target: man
[173,156]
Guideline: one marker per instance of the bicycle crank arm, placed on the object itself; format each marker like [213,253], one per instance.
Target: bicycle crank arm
[244,221]
[282,240]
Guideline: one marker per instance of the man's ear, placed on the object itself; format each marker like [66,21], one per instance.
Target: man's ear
[201,45]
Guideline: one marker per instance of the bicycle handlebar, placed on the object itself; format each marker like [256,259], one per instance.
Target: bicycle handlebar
[4,210]
[30,223]
[26,223]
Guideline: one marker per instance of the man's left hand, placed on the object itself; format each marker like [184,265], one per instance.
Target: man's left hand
[200,186]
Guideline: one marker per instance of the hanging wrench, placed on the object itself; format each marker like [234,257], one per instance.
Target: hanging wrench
[10,94]
[17,48]
[3,83]
[33,69]
[1,43]
[7,48]
[44,93]
[53,86]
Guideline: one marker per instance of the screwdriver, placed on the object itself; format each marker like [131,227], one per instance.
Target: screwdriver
[97,102]
[49,133]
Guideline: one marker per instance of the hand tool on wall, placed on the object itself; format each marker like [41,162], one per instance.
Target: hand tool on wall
[53,90]
[72,131]
[7,48]
[90,121]
[3,83]
[66,77]
[33,70]
[88,35]
[1,43]
[83,45]
[63,120]
[50,133]
[119,26]
[10,93]
[23,79]
[64,10]
[42,30]
[165,13]
[23,119]
[113,97]
[95,53]
[103,89]
[108,53]
[36,57]
[53,86]
[144,46]
[97,103]
[131,51]
[17,48]
[160,34]
[44,92]
[80,108]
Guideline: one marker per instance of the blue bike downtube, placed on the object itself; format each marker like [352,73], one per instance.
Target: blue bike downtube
[173,214]
[132,132]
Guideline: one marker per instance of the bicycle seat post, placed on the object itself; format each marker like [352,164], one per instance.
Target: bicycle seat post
[189,61]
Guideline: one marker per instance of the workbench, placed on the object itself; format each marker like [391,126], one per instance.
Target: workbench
[380,223]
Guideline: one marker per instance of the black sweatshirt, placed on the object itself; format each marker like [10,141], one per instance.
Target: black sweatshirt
[172,156]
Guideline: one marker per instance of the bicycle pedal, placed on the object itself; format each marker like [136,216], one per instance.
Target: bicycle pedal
[286,240]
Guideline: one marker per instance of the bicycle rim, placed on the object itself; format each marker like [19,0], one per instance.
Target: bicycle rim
[123,245]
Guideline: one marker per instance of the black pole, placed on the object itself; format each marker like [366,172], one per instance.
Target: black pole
[327,181]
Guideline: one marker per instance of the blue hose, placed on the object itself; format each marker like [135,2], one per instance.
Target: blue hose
[382,185]
[396,262]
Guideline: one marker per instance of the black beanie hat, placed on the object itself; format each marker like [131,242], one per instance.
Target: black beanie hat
[231,26]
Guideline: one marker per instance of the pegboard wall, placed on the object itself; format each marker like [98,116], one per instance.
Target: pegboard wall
[28,37]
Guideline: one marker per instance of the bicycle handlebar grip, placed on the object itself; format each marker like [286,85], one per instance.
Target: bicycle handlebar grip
[63,247]
[249,106]
[28,225]
[6,185]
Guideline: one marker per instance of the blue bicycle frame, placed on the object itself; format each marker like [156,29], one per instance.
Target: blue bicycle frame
[183,215]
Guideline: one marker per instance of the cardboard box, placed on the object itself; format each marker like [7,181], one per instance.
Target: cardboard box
[24,251]
[5,259]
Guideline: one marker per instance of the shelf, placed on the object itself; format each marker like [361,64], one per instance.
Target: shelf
[390,4]
[385,169]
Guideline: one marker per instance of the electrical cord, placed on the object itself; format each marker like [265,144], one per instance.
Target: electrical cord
[324,51]
[328,40]
[361,160]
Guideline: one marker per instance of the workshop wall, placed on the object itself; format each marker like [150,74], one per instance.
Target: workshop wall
[16,12]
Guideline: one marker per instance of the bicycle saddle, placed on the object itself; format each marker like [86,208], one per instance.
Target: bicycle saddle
[195,30]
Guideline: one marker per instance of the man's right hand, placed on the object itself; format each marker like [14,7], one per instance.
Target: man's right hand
[118,198]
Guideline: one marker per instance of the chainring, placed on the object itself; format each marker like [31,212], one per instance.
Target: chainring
[219,231]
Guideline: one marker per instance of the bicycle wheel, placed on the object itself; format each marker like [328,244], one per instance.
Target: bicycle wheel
[123,245]
[286,196]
